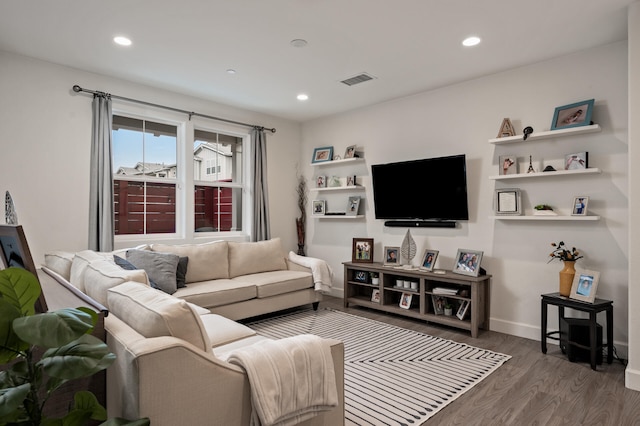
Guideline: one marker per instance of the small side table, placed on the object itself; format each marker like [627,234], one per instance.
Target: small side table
[592,309]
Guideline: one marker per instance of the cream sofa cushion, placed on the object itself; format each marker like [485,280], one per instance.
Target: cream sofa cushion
[79,264]
[154,313]
[217,292]
[250,258]
[274,283]
[222,331]
[101,275]
[208,261]
[59,262]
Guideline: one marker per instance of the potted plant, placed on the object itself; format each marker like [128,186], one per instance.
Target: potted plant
[448,309]
[27,380]
[569,258]
[374,278]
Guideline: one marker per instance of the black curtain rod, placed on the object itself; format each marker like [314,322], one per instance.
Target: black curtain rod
[78,89]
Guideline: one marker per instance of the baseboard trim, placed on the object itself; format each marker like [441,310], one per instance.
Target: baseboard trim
[632,379]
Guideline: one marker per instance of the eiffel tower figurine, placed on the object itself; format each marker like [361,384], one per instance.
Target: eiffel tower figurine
[530,169]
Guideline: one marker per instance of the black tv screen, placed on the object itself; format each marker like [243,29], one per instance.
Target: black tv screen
[427,189]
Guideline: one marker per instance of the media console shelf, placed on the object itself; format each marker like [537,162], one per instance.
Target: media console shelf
[358,291]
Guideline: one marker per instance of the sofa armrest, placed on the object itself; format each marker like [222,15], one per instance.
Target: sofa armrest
[292,266]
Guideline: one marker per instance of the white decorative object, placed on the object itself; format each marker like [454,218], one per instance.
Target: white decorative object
[408,249]
[10,215]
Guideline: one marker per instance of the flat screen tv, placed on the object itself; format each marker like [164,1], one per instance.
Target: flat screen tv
[433,189]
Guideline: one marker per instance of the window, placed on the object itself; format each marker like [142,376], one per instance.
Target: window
[152,178]
[144,176]
[217,191]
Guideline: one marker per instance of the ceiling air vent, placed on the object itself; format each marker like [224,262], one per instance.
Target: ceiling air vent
[357,79]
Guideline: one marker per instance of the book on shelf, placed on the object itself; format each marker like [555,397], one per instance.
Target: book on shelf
[444,290]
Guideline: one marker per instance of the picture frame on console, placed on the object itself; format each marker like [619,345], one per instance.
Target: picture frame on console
[323,154]
[438,304]
[585,285]
[463,309]
[508,201]
[391,256]
[579,205]
[573,115]
[362,250]
[429,259]
[468,262]
[360,276]
[405,300]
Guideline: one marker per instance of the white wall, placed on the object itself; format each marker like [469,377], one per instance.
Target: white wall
[45,133]
[633,368]
[460,119]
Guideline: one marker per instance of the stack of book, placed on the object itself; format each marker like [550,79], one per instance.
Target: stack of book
[445,291]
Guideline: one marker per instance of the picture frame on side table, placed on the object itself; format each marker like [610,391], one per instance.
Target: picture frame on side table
[579,206]
[391,256]
[508,165]
[322,155]
[405,300]
[508,201]
[429,259]
[14,252]
[573,115]
[462,309]
[576,161]
[362,250]
[319,207]
[585,285]
[353,205]
[468,262]
[438,304]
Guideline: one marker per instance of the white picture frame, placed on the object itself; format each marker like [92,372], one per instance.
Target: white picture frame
[508,201]
[375,296]
[350,152]
[579,205]
[508,165]
[462,309]
[405,300]
[467,262]
[585,285]
[429,260]
[391,256]
[319,207]
[353,205]
[438,304]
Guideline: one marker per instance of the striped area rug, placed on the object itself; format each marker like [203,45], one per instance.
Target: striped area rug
[393,376]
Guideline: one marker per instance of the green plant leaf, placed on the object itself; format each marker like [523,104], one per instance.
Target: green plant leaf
[10,343]
[20,288]
[53,329]
[80,358]
[11,399]
[87,401]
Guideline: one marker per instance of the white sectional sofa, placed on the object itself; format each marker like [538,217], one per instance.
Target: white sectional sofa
[171,349]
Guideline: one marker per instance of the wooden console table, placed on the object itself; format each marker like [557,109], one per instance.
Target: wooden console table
[592,309]
[474,291]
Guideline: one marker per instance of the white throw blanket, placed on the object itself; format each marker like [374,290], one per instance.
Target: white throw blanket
[292,379]
[320,270]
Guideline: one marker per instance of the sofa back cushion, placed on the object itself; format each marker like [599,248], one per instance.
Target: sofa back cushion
[81,260]
[153,313]
[251,258]
[59,262]
[101,275]
[208,261]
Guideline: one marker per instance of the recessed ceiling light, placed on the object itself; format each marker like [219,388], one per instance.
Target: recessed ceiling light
[471,41]
[298,42]
[231,71]
[122,41]
[302,97]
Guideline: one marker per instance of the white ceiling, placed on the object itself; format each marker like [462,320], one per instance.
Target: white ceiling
[409,45]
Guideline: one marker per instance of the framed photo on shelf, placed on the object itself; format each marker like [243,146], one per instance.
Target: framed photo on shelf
[572,115]
[350,152]
[508,201]
[508,165]
[319,207]
[579,206]
[391,256]
[438,304]
[577,161]
[321,182]
[351,181]
[335,182]
[375,296]
[462,309]
[352,206]
[585,285]
[360,276]
[405,300]
[429,259]
[362,250]
[468,262]
[321,155]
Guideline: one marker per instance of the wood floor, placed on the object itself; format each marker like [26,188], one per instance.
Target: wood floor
[531,388]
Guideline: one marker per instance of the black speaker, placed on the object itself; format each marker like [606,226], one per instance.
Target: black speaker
[577,330]
[420,224]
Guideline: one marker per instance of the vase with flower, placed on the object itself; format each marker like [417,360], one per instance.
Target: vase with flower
[569,258]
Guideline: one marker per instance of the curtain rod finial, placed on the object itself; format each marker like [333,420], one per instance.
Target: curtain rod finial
[77,88]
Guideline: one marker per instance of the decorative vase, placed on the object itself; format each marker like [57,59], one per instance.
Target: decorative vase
[566,277]
[300,232]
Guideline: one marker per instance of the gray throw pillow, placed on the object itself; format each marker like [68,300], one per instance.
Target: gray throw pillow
[181,273]
[160,267]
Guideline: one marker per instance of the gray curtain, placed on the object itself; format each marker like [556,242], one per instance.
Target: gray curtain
[101,222]
[260,227]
